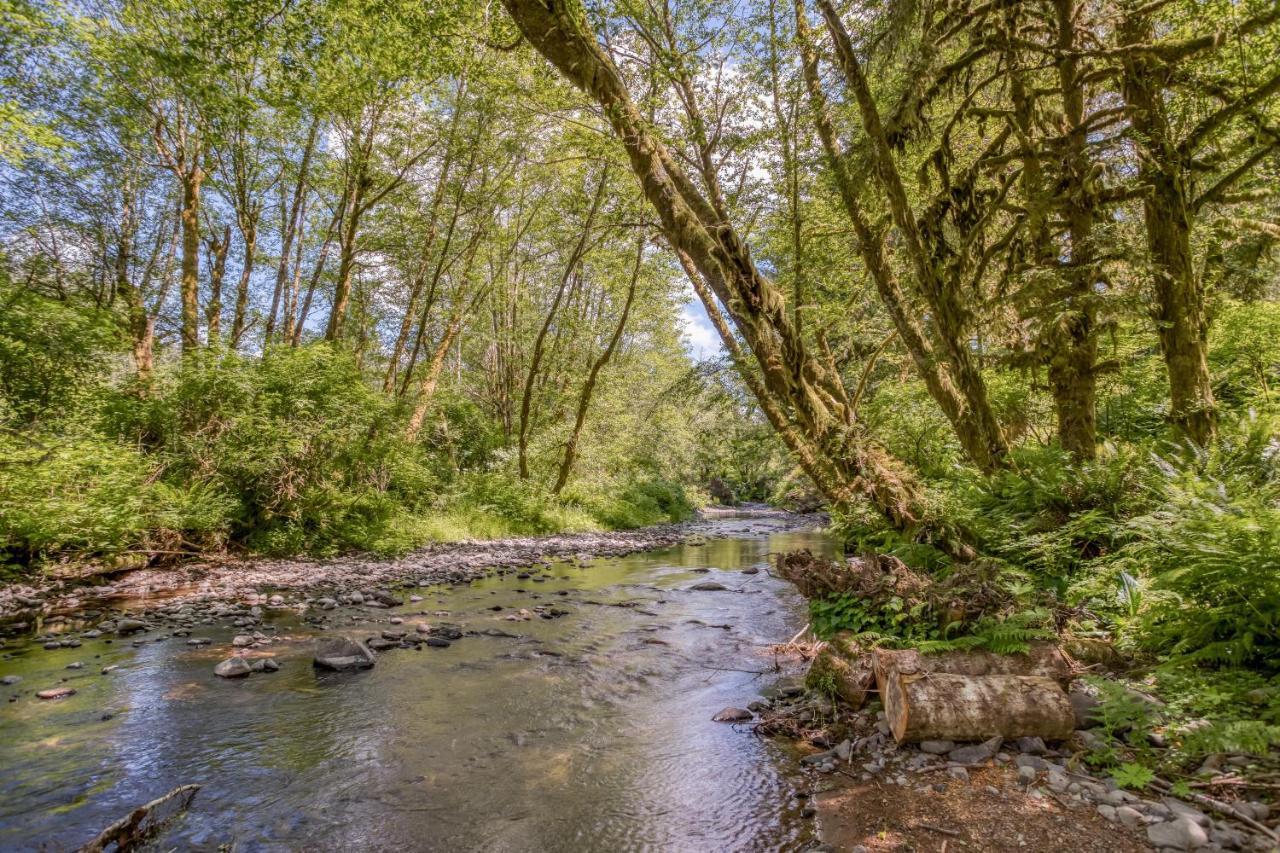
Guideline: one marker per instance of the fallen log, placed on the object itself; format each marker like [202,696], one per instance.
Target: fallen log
[138,825]
[946,706]
[849,679]
[1042,659]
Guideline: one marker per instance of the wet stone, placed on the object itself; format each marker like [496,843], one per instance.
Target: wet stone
[341,653]
[733,715]
[232,668]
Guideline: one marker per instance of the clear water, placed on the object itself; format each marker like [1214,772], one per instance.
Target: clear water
[588,732]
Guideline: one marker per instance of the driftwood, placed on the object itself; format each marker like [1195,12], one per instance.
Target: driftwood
[1042,659]
[135,827]
[944,706]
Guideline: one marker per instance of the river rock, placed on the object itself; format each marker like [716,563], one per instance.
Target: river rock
[1181,809]
[708,586]
[266,665]
[130,626]
[56,693]
[1181,833]
[976,753]
[241,641]
[10,679]
[380,644]
[438,642]
[342,653]
[232,668]
[732,715]
[936,747]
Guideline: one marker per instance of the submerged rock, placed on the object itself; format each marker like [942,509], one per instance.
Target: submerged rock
[709,586]
[341,653]
[732,715]
[232,668]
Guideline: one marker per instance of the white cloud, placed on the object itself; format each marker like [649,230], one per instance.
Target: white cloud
[700,337]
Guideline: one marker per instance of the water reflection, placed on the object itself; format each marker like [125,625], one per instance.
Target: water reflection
[586,732]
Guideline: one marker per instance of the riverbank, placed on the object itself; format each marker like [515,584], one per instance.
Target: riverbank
[23,604]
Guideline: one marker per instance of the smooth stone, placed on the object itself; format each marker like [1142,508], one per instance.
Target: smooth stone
[266,665]
[233,668]
[56,693]
[1180,833]
[1032,745]
[733,715]
[10,679]
[1181,809]
[937,747]
[708,586]
[438,642]
[342,653]
[1130,817]
[129,626]
[240,641]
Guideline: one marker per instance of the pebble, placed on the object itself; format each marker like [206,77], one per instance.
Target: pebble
[937,747]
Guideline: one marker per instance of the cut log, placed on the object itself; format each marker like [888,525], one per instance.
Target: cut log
[1043,659]
[849,679]
[944,706]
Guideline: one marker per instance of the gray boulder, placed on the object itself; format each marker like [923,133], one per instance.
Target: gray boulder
[232,668]
[1180,834]
[341,653]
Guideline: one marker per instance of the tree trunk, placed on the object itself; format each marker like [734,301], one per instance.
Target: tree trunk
[936,374]
[941,706]
[427,389]
[1167,212]
[588,387]
[526,400]
[975,422]
[218,248]
[346,265]
[1072,366]
[190,288]
[1044,660]
[289,225]
[249,230]
[137,321]
[850,467]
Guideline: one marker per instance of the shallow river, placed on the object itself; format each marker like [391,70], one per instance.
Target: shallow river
[587,732]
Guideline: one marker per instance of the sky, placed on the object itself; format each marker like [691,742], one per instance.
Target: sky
[701,340]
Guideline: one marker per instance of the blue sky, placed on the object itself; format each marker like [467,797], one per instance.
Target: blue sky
[700,337]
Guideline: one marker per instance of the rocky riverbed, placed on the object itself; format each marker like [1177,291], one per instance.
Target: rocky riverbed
[559,704]
[255,581]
